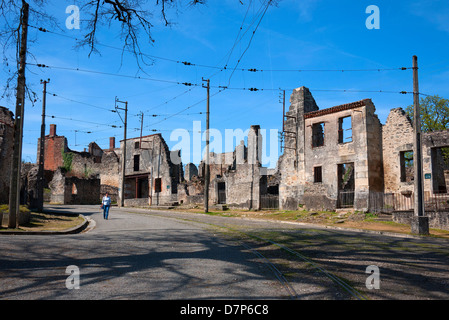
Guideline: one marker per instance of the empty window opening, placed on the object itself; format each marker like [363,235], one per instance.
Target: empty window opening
[440,169]
[158,185]
[136,162]
[317,174]
[346,185]
[136,145]
[406,163]
[318,134]
[345,129]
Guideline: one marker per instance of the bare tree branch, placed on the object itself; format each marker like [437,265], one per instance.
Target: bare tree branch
[133,17]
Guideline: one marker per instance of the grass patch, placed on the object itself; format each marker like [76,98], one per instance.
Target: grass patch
[48,222]
[4,209]
[52,222]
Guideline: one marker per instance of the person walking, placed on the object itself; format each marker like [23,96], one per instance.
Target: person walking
[106,204]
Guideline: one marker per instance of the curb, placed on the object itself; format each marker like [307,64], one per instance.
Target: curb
[73,230]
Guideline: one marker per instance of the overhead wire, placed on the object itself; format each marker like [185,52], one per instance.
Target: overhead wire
[185,109]
[84,121]
[250,40]
[246,69]
[80,102]
[254,89]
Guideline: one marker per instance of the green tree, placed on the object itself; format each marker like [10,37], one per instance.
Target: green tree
[434,113]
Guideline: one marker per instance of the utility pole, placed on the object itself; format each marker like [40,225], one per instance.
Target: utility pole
[122,187]
[420,223]
[141,129]
[14,189]
[40,172]
[207,171]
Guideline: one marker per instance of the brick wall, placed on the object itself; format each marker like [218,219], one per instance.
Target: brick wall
[54,147]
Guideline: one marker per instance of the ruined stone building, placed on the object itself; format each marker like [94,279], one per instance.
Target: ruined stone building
[343,157]
[398,157]
[332,157]
[237,178]
[28,171]
[79,177]
[6,149]
[152,172]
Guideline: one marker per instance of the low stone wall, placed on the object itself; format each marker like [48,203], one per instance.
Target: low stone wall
[197,199]
[137,202]
[319,202]
[437,220]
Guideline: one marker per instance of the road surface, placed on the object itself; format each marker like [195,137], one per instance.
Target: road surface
[141,254]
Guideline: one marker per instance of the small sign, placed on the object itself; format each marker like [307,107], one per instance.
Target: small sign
[427,175]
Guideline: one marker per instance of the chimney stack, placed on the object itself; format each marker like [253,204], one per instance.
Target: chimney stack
[52,130]
[112,143]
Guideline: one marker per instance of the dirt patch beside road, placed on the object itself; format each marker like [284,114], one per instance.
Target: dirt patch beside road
[349,220]
[46,222]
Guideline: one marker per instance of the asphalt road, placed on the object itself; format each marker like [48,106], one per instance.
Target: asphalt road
[141,254]
[132,256]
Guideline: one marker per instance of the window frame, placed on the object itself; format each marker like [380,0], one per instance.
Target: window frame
[341,130]
[318,174]
[318,138]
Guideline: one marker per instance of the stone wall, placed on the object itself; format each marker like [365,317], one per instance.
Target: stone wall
[6,150]
[191,191]
[102,165]
[366,132]
[73,190]
[433,162]
[152,166]
[190,171]
[437,220]
[312,144]
[93,164]
[292,162]
[397,137]
[243,181]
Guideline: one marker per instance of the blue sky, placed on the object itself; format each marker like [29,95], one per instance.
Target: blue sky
[294,35]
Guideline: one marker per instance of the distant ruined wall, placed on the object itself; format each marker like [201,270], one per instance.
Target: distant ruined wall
[152,171]
[243,182]
[74,190]
[292,163]
[6,149]
[397,137]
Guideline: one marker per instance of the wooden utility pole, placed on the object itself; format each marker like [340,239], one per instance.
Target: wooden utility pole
[420,223]
[122,187]
[40,172]
[14,190]
[207,169]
